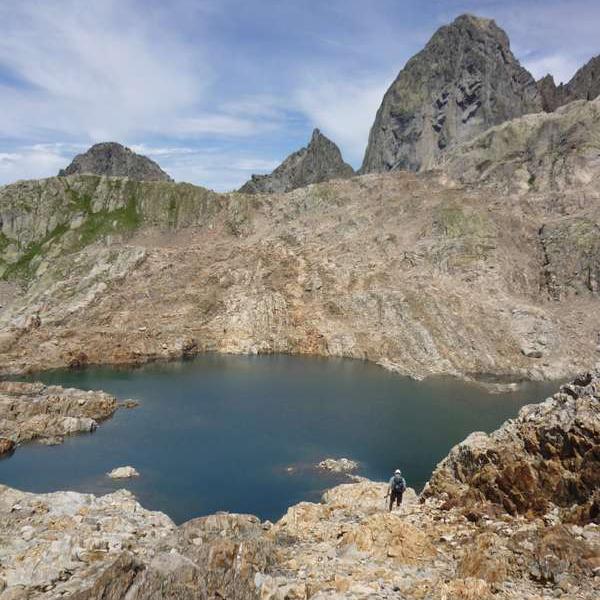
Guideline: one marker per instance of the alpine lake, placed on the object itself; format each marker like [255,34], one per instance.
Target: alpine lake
[244,433]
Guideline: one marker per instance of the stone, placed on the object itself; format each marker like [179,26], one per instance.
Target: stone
[464,81]
[123,473]
[320,161]
[114,160]
[338,465]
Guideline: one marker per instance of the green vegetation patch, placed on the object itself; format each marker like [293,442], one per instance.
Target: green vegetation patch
[106,222]
[22,268]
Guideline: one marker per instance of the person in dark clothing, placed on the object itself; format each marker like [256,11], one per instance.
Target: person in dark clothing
[396,488]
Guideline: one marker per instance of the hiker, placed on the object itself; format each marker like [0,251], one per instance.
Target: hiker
[396,488]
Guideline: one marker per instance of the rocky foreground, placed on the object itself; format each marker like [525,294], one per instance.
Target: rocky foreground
[467,538]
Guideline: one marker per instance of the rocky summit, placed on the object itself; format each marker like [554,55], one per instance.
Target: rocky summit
[320,161]
[115,160]
[584,85]
[464,81]
[468,537]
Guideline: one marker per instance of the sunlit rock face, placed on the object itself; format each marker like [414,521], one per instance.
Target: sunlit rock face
[545,459]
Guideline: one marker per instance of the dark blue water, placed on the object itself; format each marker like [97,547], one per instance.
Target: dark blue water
[218,432]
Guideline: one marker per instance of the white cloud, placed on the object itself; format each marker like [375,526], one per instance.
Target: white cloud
[561,67]
[344,110]
[28,163]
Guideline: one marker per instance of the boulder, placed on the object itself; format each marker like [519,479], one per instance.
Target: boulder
[6,446]
[123,473]
[338,465]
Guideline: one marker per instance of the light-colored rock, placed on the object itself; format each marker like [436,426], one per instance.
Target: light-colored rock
[123,473]
[338,465]
[422,282]
[34,411]
[535,153]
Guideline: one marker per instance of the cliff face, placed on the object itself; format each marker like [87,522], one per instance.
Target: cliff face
[464,81]
[115,160]
[320,161]
[584,85]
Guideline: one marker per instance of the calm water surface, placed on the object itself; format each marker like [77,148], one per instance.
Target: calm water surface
[218,432]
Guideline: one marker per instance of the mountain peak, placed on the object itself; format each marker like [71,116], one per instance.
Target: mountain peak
[464,81]
[115,160]
[320,161]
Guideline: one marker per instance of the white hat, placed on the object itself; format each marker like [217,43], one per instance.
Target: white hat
[397,472]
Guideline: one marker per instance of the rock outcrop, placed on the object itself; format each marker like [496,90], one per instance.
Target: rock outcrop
[538,153]
[464,81]
[545,461]
[115,160]
[320,161]
[34,411]
[584,85]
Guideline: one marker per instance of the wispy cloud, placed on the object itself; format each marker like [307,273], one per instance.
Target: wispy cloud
[343,110]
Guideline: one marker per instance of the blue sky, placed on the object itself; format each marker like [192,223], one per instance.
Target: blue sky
[215,90]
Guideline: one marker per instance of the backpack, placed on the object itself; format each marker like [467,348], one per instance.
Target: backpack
[398,485]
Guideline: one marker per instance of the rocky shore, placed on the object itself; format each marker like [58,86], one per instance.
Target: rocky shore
[34,411]
[512,516]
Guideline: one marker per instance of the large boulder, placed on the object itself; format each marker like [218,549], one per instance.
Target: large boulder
[320,161]
[115,160]
[547,459]
[464,81]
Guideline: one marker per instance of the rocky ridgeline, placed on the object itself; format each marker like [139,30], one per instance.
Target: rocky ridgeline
[584,85]
[33,411]
[447,546]
[320,161]
[115,160]
[464,81]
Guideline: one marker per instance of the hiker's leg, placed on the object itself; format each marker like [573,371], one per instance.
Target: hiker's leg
[399,498]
